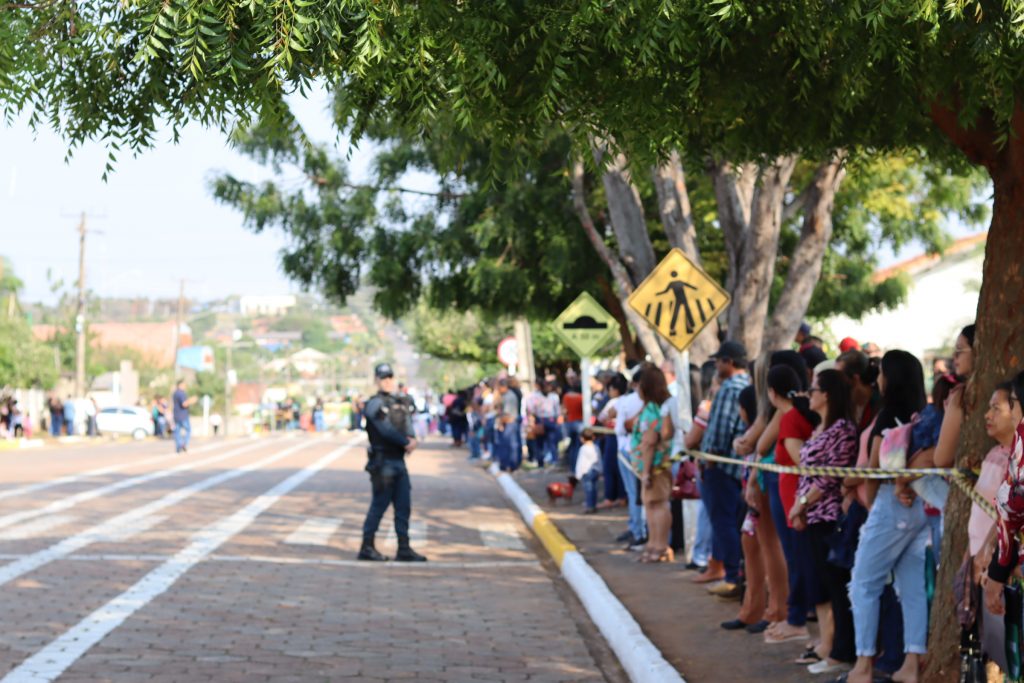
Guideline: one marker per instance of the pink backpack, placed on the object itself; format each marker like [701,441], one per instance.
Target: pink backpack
[896,445]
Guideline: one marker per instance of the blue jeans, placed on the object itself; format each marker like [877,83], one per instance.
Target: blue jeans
[318,421]
[702,539]
[572,430]
[892,540]
[56,424]
[517,442]
[798,604]
[636,510]
[69,424]
[723,500]
[489,435]
[182,433]
[590,488]
[609,464]
[504,447]
[474,443]
[392,489]
[552,435]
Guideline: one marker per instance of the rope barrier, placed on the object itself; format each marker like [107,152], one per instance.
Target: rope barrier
[962,479]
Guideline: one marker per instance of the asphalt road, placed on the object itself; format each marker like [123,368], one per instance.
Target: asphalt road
[235,562]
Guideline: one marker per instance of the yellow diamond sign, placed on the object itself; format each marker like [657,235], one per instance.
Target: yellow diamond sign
[585,326]
[679,299]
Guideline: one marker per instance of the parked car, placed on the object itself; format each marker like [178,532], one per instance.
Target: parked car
[125,420]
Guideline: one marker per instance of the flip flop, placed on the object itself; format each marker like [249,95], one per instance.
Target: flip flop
[808,657]
[791,638]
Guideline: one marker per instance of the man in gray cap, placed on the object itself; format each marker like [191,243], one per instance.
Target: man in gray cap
[389,428]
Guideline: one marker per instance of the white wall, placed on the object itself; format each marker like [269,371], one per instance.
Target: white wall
[940,301]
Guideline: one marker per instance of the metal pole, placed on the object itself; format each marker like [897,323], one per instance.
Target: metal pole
[682,363]
[227,391]
[585,380]
[80,314]
[177,327]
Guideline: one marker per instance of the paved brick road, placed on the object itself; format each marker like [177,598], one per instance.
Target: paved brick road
[235,562]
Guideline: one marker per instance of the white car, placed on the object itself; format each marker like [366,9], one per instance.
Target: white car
[125,420]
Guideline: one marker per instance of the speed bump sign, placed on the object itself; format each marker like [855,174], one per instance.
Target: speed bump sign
[679,299]
[585,326]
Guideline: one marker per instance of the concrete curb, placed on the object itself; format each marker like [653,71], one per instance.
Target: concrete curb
[642,661]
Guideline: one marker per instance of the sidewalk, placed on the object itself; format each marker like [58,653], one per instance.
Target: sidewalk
[679,617]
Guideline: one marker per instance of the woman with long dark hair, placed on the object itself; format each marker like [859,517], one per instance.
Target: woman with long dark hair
[819,504]
[894,538]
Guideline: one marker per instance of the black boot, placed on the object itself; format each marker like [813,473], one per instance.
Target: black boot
[407,554]
[369,553]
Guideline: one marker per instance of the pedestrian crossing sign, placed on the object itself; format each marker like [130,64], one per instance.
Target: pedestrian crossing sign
[585,326]
[679,299]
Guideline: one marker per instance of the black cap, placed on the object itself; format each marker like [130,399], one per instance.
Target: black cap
[383,371]
[733,350]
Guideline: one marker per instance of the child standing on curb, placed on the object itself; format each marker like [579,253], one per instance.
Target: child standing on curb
[588,470]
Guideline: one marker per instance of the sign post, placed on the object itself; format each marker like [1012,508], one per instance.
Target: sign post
[585,327]
[678,299]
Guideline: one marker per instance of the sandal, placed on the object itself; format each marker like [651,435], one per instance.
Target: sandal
[655,557]
[810,656]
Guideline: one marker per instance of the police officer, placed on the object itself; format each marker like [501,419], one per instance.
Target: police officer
[389,427]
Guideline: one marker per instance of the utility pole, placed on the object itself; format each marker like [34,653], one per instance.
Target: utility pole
[177,327]
[80,314]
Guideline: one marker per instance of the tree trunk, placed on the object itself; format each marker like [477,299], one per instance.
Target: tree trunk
[752,247]
[631,346]
[628,221]
[805,265]
[677,218]
[622,282]
[998,353]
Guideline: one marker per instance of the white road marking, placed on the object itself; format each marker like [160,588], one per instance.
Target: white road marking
[501,536]
[269,559]
[417,533]
[83,496]
[103,530]
[55,658]
[35,528]
[72,478]
[129,531]
[314,531]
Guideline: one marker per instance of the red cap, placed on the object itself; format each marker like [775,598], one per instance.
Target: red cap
[848,344]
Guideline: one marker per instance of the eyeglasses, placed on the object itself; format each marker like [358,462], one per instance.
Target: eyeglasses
[959,352]
[814,389]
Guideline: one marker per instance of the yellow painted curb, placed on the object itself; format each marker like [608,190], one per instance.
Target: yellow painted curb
[556,544]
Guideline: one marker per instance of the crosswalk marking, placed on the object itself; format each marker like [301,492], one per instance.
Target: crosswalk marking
[417,533]
[314,531]
[501,536]
[130,530]
[35,528]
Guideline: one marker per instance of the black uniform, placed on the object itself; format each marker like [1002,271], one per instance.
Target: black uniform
[389,427]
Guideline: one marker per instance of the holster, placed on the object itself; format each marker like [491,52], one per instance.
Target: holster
[382,471]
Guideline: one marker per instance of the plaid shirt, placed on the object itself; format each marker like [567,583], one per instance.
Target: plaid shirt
[725,423]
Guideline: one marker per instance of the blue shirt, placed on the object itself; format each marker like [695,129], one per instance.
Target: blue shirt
[725,423]
[180,411]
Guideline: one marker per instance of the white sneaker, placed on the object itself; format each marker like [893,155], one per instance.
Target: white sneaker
[827,667]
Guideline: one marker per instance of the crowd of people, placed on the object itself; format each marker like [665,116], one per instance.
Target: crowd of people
[856,555]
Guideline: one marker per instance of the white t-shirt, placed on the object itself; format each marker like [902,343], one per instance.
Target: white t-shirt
[628,407]
[587,459]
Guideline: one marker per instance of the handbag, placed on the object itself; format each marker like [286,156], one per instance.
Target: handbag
[535,431]
[685,485]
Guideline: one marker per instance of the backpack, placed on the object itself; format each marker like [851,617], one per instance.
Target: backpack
[896,445]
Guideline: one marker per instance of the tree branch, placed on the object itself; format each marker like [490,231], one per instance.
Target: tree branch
[623,284]
[674,206]
[976,142]
[443,194]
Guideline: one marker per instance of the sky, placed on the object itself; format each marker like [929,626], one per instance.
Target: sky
[155,217]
